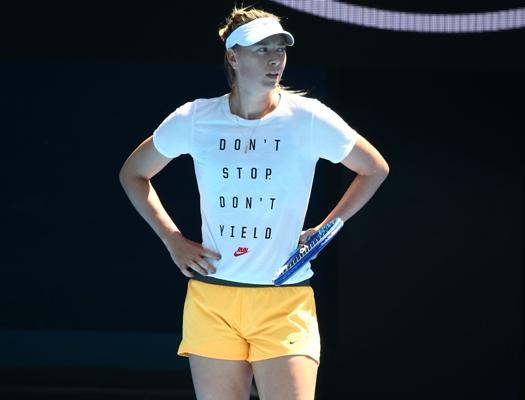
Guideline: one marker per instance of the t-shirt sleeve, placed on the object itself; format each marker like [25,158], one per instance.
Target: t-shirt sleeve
[332,137]
[173,136]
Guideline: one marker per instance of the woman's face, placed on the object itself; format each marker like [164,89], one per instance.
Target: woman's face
[260,66]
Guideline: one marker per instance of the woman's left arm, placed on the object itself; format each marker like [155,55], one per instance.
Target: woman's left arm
[371,169]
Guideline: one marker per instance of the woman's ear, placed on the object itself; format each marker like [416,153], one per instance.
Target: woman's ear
[232,58]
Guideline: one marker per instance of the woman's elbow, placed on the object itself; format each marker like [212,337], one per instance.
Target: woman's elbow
[380,170]
[124,174]
[385,168]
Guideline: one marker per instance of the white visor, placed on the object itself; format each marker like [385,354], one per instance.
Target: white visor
[257,30]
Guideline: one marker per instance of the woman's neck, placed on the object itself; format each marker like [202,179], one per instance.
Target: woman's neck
[248,106]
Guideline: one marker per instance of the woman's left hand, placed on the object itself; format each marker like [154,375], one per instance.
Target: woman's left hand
[306,234]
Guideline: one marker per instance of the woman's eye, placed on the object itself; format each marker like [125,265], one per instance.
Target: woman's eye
[262,49]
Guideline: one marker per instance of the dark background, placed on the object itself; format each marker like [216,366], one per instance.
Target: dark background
[419,297]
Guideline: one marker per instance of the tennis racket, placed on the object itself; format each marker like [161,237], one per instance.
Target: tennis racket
[314,244]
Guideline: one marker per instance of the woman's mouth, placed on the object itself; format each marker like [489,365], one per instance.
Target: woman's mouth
[273,76]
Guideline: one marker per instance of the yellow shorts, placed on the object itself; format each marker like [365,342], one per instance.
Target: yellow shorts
[249,323]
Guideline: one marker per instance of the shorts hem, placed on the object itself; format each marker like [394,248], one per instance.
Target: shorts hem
[269,357]
[187,353]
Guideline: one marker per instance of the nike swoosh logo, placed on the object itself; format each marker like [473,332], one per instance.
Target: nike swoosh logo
[240,251]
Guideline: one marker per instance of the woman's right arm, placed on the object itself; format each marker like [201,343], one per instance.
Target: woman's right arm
[135,177]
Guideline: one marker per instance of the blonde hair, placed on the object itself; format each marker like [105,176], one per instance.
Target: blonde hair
[238,17]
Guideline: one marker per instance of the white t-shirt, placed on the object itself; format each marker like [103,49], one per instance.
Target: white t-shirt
[254,177]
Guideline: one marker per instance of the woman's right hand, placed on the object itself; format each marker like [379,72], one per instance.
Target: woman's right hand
[189,255]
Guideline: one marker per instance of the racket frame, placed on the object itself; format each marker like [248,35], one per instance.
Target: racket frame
[313,245]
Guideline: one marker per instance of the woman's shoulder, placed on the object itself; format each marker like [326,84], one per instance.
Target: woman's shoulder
[200,103]
[199,107]
[299,101]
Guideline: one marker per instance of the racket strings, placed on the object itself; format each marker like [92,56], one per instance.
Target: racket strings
[313,245]
[310,244]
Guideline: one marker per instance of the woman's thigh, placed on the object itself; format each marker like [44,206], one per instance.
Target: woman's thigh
[286,378]
[215,379]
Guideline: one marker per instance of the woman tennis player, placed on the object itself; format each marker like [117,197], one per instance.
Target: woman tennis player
[254,151]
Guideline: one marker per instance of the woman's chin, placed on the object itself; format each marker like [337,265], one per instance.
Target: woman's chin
[271,84]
